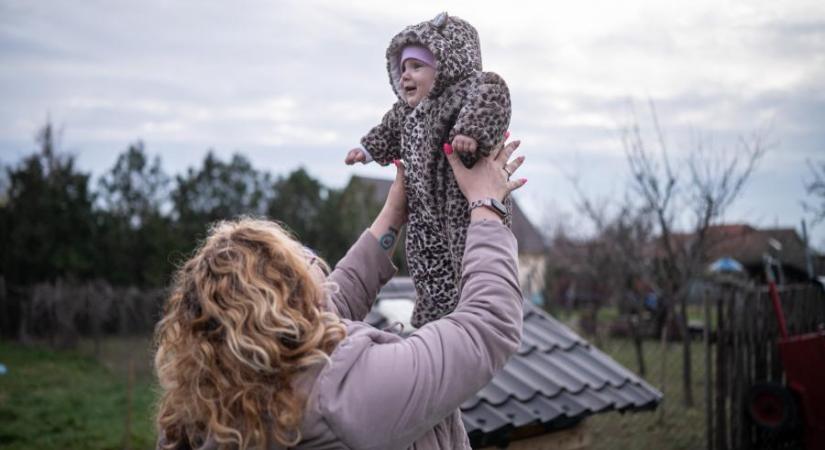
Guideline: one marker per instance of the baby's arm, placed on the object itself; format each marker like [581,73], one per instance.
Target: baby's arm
[357,155]
[485,116]
[383,142]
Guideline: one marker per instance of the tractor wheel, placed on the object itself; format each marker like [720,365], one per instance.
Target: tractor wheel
[772,407]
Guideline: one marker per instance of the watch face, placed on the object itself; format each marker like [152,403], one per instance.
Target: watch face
[498,206]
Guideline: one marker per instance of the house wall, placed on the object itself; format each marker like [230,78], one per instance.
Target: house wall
[531,273]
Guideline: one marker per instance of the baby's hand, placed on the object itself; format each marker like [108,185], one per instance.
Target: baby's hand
[464,143]
[355,155]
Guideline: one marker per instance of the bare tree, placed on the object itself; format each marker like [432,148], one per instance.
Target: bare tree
[815,188]
[658,234]
[618,254]
[697,192]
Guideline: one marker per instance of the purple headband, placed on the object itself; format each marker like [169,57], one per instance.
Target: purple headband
[417,52]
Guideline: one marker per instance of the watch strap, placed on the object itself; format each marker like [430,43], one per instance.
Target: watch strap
[491,204]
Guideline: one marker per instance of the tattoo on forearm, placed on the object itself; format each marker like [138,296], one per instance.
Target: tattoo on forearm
[388,239]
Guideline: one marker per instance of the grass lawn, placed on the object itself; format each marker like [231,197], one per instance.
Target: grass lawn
[68,400]
[671,426]
[72,400]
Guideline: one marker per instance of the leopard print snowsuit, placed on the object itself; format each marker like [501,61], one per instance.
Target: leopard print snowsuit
[463,100]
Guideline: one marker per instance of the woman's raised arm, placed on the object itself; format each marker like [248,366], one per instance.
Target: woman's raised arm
[367,265]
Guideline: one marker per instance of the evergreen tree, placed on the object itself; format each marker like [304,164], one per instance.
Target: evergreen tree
[216,191]
[47,219]
[134,237]
[297,203]
[351,211]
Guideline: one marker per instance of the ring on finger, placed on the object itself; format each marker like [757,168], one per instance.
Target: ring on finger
[509,174]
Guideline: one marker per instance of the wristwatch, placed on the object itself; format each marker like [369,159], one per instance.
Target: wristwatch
[491,204]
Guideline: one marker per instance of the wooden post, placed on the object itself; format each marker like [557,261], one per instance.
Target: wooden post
[733,368]
[731,382]
[633,322]
[708,374]
[760,362]
[740,380]
[663,365]
[751,315]
[127,429]
[5,311]
[721,373]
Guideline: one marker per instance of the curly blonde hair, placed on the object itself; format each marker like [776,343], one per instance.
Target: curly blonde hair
[244,317]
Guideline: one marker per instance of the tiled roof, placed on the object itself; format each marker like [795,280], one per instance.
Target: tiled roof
[555,379]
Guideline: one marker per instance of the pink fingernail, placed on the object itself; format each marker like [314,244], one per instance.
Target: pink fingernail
[448,149]
[506,134]
[523,181]
[395,161]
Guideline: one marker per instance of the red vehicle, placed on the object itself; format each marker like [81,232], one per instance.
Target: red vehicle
[801,402]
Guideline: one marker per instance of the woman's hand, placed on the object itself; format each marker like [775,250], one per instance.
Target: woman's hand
[393,215]
[490,176]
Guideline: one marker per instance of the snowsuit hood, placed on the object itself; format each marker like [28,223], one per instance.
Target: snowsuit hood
[453,42]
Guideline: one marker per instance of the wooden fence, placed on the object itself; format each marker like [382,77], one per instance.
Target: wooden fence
[741,350]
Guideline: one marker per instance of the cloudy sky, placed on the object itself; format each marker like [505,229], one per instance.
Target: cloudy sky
[296,83]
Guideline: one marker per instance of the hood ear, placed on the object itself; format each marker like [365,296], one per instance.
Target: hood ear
[440,20]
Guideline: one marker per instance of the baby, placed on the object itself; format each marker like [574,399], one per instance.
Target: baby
[444,97]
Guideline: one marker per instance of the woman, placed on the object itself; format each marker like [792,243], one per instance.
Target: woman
[257,349]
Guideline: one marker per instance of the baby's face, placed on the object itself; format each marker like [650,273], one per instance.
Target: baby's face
[416,81]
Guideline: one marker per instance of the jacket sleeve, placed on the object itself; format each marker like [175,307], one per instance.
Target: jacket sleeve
[358,276]
[485,115]
[383,142]
[392,393]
